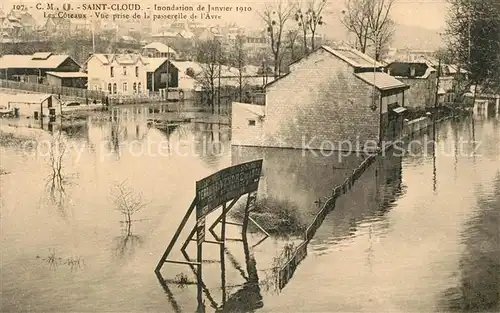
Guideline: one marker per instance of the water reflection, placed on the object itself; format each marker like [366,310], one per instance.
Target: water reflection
[57,181]
[126,245]
[376,243]
[247,298]
[479,270]
[302,178]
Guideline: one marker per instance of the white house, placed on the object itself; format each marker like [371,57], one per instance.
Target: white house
[158,50]
[123,74]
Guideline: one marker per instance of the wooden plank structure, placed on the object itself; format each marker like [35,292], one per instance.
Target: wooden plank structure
[212,192]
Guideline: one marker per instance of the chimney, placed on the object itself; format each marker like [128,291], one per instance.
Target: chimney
[412,70]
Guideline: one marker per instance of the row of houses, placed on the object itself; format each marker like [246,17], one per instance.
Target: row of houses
[156,69]
[335,99]
[126,74]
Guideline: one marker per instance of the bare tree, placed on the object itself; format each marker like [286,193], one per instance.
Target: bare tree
[355,19]
[315,11]
[209,55]
[127,202]
[291,40]
[370,22]
[238,59]
[380,24]
[302,21]
[275,16]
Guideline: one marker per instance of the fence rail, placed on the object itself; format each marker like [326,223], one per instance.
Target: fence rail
[287,270]
[56,90]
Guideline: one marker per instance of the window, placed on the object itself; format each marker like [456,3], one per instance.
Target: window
[114,88]
[136,71]
[111,71]
[139,88]
[124,71]
[251,122]
[109,88]
[134,86]
[124,87]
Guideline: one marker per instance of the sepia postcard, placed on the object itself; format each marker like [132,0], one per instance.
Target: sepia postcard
[267,156]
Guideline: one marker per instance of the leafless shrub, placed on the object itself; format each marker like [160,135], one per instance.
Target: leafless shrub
[128,202]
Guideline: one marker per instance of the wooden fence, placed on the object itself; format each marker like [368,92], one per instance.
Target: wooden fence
[55,90]
[287,270]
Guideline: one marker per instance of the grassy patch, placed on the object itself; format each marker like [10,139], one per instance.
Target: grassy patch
[9,139]
[279,218]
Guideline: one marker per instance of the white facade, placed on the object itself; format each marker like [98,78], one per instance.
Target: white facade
[247,124]
[121,74]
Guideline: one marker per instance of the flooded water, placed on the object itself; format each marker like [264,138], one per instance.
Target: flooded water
[418,232]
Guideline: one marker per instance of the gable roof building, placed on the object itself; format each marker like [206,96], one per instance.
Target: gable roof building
[36,64]
[332,95]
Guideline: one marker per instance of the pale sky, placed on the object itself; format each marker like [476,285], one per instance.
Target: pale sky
[424,13]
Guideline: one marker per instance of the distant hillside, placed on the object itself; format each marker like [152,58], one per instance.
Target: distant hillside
[415,37]
[405,36]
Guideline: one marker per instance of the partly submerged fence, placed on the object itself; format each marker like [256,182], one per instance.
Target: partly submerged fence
[288,268]
[55,90]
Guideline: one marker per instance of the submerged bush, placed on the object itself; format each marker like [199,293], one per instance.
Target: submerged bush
[277,217]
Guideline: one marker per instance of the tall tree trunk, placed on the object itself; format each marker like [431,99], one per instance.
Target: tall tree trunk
[305,41]
[129,224]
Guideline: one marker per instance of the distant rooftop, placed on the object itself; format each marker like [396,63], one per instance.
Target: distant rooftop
[41,60]
[68,74]
[380,80]
[160,47]
[123,59]
[354,57]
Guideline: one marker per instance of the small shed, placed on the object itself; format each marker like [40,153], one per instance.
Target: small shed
[32,105]
[67,79]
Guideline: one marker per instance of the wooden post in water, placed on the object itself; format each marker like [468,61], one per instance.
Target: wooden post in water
[436,98]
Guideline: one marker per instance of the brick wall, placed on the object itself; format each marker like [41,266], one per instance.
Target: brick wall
[422,91]
[320,100]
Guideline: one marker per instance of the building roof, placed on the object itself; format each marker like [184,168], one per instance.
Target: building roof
[24,98]
[381,80]
[122,59]
[349,55]
[182,66]
[403,69]
[354,57]
[165,34]
[154,63]
[453,69]
[68,74]
[37,60]
[187,34]
[256,109]
[160,47]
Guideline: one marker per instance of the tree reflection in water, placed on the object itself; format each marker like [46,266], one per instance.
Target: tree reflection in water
[56,182]
[126,245]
